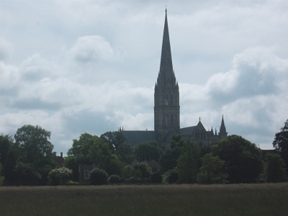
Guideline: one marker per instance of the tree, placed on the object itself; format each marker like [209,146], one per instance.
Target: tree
[188,163]
[211,170]
[280,143]
[117,144]
[275,168]
[242,158]
[148,151]
[114,138]
[89,149]
[25,174]
[1,177]
[6,143]
[35,150]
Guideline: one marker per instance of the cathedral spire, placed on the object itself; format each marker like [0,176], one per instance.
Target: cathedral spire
[166,75]
[223,132]
[166,94]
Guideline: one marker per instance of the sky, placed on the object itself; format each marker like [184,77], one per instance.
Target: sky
[76,66]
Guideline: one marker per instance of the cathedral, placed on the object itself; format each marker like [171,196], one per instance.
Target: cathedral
[167,108]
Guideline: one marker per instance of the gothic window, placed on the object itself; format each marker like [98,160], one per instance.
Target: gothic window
[171,119]
[166,101]
[167,119]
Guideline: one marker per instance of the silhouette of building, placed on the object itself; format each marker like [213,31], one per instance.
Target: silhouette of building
[167,108]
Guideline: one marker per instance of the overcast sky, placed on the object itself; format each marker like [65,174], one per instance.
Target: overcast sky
[75,66]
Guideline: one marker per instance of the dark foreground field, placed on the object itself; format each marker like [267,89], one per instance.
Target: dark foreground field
[256,199]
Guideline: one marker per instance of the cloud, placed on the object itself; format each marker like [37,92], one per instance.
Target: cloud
[5,48]
[255,71]
[92,48]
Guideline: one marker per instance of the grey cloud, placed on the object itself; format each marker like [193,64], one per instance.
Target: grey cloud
[250,76]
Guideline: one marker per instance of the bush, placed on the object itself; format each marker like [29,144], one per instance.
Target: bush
[114,179]
[156,178]
[59,176]
[72,183]
[98,177]
[171,177]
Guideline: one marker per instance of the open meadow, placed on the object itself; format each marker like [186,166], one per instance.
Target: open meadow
[240,199]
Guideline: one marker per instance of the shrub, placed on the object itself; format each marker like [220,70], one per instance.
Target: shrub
[72,183]
[171,177]
[114,179]
[98,177]
[59,176]
[144,169]
[156,178]
[128,171]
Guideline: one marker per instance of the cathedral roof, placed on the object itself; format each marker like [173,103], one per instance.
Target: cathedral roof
[138,136]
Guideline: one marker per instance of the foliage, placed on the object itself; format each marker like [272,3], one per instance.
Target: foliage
[35,149]
[33,143]
[6,143]
[98,177]
[117,143]
[171,177]
[89,149]
[71,163]
[59,176]
[280,143]
[148,151]
[242,158]
[143,169]
[275,168]
[70,182]
[114,179]
[156,178]
[1,177]
[128,171]
[168,160]
[25,174]
[188,163]
[114,138]
[211,170]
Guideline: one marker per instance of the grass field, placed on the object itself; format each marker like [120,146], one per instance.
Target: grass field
[232,200]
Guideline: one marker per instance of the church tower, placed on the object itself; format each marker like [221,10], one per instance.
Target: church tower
[166,94]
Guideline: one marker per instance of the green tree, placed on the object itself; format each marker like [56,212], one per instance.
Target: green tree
[89,149]
[242,158]
[188,163]
[35,150]
[116,142]
[280,143]
[1,177]
[275,168]
[114,138]
[148,151]
[6,143]
[211,170]
[25,174]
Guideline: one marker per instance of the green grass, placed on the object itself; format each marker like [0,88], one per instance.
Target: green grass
[232,200]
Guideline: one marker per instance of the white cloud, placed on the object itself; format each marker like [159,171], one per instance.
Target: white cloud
[92,48]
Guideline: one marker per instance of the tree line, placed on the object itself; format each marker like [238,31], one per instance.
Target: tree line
[27,158]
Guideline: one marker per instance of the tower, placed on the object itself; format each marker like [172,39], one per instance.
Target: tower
[166,94]
[222,132]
